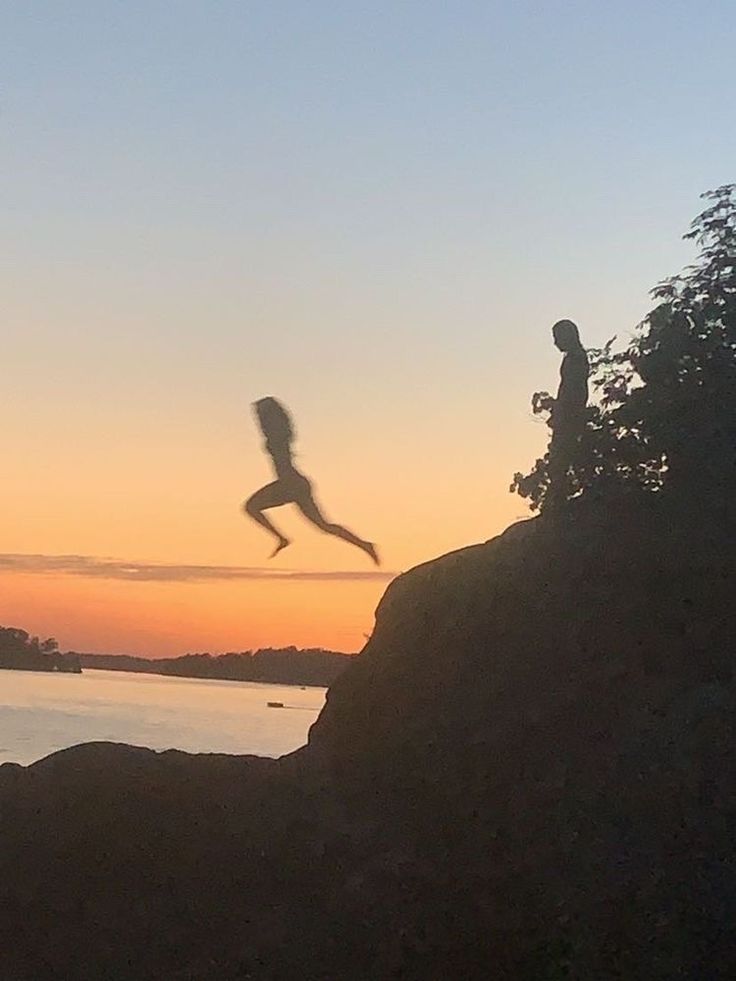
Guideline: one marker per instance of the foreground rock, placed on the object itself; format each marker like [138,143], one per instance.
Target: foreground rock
[527,773]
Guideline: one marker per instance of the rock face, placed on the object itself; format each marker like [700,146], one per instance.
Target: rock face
[527,773]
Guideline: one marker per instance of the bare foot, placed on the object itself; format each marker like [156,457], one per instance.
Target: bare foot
[370,549]
[283,542]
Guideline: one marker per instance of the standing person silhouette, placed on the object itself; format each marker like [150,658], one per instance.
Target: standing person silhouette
[569,408]
[290,486]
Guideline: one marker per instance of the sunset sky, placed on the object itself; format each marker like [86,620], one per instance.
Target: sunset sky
[373,211]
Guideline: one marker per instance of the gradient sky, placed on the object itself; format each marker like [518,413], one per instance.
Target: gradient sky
[373,211]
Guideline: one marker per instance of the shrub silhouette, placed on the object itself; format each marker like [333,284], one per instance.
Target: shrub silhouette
[664,412]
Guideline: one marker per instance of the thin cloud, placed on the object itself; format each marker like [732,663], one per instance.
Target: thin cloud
[91,567]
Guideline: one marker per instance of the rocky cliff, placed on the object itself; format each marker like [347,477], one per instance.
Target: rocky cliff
[527,773]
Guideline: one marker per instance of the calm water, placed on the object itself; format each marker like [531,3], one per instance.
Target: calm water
[42,712]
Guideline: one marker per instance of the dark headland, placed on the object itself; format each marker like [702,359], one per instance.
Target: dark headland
[530,766]
[21,652]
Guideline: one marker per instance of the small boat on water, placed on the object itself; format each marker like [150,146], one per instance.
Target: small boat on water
[275,705]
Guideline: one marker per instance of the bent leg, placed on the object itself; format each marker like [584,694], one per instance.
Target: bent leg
[273,495]
[308,506]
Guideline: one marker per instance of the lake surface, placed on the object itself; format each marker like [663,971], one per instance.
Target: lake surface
[41,712]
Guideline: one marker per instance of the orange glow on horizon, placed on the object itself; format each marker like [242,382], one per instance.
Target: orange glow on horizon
[167,619]
[159,515]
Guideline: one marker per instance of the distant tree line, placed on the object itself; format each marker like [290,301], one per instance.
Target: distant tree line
[283,666]
[21,652]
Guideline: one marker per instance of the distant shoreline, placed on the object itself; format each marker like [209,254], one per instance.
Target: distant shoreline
[313,668]
[182,677]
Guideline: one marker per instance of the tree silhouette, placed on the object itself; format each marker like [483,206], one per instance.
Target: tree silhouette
[21,651]
[664,413]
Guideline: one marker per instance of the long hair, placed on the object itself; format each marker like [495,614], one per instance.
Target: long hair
[275,421]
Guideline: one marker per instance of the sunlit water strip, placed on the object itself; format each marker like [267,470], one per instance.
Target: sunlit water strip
[41,713]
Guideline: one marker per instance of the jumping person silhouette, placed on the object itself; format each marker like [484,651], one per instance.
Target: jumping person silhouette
[290,486]
[569,408]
